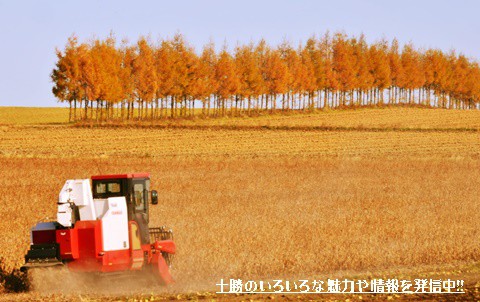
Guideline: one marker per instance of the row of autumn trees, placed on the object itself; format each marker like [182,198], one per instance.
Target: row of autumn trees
[102,80]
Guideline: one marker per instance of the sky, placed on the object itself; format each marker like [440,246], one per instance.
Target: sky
[31,30]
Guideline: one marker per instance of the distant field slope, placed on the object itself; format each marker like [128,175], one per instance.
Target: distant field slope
[70,142]
[33,115]
[386,118]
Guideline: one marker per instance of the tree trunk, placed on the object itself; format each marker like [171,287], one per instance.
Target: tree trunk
[208,106]
[75,110]
[69,111]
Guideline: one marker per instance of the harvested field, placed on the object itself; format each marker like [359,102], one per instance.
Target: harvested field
[288,217]
[68,142]
[376,118]
[265,204]
[32,115]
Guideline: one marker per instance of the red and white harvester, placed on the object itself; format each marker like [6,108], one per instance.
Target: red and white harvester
[104,228]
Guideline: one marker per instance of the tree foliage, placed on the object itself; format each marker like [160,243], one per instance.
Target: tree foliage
[168,79]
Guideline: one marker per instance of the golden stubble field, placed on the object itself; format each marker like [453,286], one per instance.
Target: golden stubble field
[69,142]
[377,118]
[266,203]
[262,218]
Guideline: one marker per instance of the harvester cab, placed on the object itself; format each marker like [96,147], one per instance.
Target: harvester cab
[136,189]
[104,228]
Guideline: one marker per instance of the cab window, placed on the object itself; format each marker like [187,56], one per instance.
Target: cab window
[113,187]
[105,189]
[139,198]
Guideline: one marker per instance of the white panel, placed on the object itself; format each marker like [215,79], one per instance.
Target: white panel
[64,195]
[76,191]
[64,209]
[101,206]
[82,194]
[115,225]
[64,214]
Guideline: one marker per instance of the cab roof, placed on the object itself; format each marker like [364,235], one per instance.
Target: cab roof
[122,176]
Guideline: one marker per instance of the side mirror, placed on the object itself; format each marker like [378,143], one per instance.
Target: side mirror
[154,196]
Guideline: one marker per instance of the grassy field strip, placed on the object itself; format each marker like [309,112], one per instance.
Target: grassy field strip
[67,142]
[376,118]
[149,125]
[33,115]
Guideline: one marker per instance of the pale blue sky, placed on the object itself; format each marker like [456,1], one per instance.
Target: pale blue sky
[30,30]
